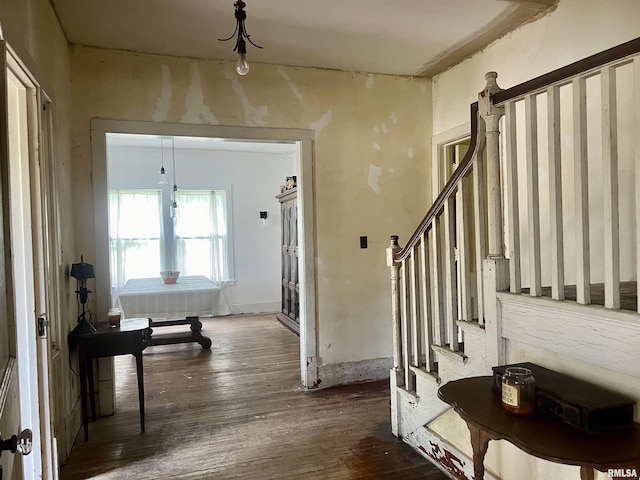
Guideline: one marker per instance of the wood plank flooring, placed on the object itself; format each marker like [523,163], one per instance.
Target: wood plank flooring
[238,411]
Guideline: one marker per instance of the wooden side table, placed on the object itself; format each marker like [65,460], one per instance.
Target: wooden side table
[127,339]
[537,434]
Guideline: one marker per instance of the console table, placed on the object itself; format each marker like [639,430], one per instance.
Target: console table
[127,339]
[537,434]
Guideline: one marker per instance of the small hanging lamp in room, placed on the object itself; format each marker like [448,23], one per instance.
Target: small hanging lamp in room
[242,66]
[162,180]
[175,212]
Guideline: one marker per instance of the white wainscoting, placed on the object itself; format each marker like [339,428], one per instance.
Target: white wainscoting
[592,334]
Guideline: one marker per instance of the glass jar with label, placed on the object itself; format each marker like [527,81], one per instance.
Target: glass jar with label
[518,390]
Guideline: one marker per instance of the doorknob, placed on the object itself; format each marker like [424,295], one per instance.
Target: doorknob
[23,442]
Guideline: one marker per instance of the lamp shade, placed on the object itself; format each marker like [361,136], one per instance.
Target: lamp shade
[82,270]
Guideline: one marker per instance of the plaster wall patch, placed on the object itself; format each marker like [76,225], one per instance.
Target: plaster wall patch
[391,170]
[197,111]
[293,88]
[410,152]
[369,81]
[254,116]
[374,176]
[319,125]
[164,101]
[376,129]
[393,118]
[384,128]
[376,146]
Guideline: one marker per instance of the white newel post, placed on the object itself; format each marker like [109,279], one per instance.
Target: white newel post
[496,266]
[392,249]
[491,116]
[397,372]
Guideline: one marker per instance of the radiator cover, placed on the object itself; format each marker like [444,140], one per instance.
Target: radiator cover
[581,404]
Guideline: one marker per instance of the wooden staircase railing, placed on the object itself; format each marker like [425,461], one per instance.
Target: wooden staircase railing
[598,97]
[431,276]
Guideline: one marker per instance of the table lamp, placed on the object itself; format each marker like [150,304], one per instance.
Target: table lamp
[82,272]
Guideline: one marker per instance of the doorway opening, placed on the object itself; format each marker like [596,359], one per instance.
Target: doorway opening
[189,171]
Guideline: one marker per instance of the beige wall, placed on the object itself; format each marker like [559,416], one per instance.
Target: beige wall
[371,162]
[31,29]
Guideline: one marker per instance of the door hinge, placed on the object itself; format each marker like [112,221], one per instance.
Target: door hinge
[42,326]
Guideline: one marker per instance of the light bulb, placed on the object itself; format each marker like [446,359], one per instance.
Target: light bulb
[242,67]
[163,178]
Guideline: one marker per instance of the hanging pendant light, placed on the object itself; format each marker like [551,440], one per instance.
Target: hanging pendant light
[175,212]
[162,180]
[242,66]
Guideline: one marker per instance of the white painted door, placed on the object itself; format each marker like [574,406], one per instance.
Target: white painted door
[26,403]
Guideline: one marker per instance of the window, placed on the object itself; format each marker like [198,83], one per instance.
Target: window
[201,238]
[134,234]
[196,243]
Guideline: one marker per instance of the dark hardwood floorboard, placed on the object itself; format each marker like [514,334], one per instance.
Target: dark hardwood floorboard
[239,411]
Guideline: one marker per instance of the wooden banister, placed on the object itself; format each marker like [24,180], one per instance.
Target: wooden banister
[567,72]
[448,189]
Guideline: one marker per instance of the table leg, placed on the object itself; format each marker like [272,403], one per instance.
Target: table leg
[140,373]
[196,329]
[92,390]
[82,365]
[479,443]
[586,473]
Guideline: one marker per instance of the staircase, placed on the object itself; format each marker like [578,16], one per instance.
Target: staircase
[529,253]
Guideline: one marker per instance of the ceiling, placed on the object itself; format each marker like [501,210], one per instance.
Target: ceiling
[398,37]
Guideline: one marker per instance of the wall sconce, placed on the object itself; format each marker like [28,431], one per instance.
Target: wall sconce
[242,67]
[82,272]
[263,216]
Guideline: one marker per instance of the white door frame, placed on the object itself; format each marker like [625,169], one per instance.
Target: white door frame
[306,225]
[29,281]
[439,143]
[46,242]
[20,97]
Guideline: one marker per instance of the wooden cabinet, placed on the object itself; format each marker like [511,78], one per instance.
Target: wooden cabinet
[290,311]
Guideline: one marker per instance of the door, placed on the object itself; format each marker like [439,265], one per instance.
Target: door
[26,402]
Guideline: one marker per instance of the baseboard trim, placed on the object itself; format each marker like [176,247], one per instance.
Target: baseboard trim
[354,372]
[248,308]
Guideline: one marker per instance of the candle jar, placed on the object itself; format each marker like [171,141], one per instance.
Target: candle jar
[114,316]
[518,390]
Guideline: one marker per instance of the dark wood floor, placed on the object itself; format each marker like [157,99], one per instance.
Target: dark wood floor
[238,411]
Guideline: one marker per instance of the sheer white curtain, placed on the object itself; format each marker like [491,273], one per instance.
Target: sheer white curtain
[201,234]
[201,238]
[134,235]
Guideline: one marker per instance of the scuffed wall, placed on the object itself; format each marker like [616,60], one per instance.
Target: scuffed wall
[371,157]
